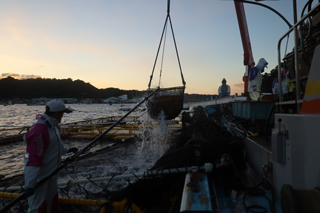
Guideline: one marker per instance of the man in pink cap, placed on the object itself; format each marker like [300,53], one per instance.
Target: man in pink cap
[43,156]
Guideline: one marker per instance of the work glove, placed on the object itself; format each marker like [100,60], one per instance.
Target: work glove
[29,192]
[73,149]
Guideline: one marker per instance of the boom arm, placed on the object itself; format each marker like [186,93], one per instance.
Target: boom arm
[248,57]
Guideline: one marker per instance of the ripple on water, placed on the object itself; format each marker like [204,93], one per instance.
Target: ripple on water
[133,158]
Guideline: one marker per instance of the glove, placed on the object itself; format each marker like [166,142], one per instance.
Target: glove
[73,149]
[29,192]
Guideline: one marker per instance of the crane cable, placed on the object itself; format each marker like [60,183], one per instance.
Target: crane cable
[164,44]
[175,44]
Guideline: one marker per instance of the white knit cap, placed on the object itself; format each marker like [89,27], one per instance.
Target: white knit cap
[57,106]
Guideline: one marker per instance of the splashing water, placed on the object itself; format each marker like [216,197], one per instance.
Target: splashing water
[153,141]
[154,136]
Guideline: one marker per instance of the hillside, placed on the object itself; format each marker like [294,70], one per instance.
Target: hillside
[11,88]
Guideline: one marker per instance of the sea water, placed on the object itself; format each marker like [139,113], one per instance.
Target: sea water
[137,157]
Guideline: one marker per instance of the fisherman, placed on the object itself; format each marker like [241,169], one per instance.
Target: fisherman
[224,89]
[43,156]
[275,86]
[255,79]
[286,84]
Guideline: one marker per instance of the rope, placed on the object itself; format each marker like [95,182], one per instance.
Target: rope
[76,155]
[155,62]
[175,44]
[164,44]
[89,178]
[110,180]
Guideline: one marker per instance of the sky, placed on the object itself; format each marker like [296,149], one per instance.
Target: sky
[113,43]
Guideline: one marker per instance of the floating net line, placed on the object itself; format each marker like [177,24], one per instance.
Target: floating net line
[145,150]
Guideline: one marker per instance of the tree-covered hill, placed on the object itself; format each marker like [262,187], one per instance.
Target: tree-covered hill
[56,88]
[67,88]
[11,88]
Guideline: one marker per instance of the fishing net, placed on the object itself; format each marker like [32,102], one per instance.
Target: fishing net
[160,193]
[167,100]
[153,194]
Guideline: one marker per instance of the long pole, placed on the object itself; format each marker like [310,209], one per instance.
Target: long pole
[72,158]
[208,167]
[296,55]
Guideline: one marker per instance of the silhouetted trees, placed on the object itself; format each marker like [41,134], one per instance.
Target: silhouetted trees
[67,88]
[57,88]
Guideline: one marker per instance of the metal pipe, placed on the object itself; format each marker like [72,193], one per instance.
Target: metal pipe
[296,55]
[208,167]
[279,77]
[280,40]
[270,8]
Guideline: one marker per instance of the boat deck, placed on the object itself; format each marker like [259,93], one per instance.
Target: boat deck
[248,196]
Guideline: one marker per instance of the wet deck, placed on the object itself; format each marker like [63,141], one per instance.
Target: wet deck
[245,196]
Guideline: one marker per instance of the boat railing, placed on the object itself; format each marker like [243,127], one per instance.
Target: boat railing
[297,73]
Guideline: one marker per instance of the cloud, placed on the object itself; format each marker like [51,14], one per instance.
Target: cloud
[239,85]
[18,76]
[237,88]
[29,76]
[4,75]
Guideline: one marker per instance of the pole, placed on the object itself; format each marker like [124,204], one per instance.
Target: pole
[72,158]
[296,56]
[208,167]
[248,60]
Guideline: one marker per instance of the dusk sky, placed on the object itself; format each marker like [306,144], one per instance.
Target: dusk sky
[113,43]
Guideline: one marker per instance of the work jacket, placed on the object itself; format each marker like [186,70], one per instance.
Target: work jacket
[255,78]
[44,150]
[224,90]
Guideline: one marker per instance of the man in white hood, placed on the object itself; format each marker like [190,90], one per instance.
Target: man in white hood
[224,89]
[255,79]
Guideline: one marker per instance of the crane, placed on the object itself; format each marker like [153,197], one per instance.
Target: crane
[247,55]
